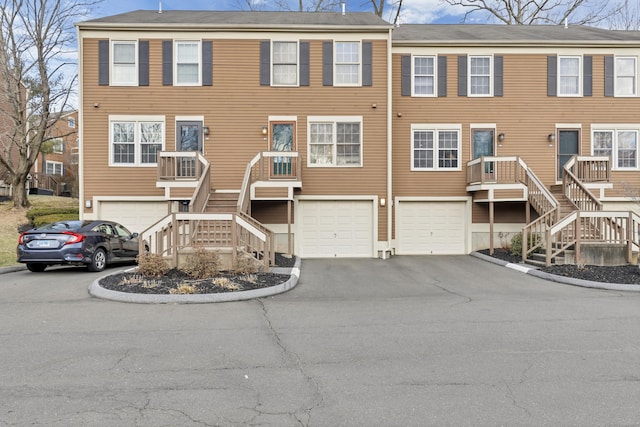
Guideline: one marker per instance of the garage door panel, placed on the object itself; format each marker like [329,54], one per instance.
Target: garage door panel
[434,228]
[136,216]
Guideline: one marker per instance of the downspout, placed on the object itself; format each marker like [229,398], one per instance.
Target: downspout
[80,125]
[389,147]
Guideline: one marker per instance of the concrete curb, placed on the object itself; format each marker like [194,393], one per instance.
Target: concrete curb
[533,271]
[12,269]
[98,291]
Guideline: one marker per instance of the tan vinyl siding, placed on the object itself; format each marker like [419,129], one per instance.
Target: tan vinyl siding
[504,213]
[267,192]
[271,212]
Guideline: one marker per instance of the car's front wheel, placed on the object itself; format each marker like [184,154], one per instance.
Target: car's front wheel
[36,268]
[98,260]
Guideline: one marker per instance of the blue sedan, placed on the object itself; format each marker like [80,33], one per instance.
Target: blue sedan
[91,243]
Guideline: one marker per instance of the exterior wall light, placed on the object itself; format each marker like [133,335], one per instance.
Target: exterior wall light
[551,137]
[265,130]
[87,204]
[383,202]
[501,137]
[205,130]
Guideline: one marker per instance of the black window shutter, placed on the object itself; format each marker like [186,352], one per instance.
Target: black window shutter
[143,63]
[167,62]
[462,75]
[327,63]
[552,75]
[587,75]
[608,76]
[207,63]
[265,62]
[498,65]
[406,74]
[367,64]
[103,62]
[442,76]
[304,63]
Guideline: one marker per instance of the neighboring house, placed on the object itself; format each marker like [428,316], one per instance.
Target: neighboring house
[56,169]
[346,137]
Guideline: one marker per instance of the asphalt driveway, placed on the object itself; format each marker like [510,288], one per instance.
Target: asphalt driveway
[402,342]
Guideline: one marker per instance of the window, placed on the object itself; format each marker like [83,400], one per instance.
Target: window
[347,62]
[625,76]
[569,76]
[335,141]
[124,67]
[187,63]
[285,63]
[71,122]
[480,76]
[53,168]
[424,75]
[435,148]
[621,145]
[57,146]
[136,141]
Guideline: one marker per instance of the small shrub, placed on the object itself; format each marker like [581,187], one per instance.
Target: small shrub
[66,213]
[251,278]
[247,264]
[48,219]
[225,283]
[152,265]
[202,264]
[183,289]
[516,243]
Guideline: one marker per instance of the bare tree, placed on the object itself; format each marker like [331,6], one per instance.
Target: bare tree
[628,16]
[530,12]
[35,38]
[379,9]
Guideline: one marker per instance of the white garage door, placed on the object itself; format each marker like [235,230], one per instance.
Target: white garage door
[336,228]
[136,216]
[432,228]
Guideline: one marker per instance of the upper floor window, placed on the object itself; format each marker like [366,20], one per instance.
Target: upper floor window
[71,122]
[480,75]
[54,168]
[569,76]
[621,145]
[57,146]
[435,148]
[136,141]
[424,76]
[347,63]
[335,141]
[187,63]
[626,71]
[124,69]
[285,63]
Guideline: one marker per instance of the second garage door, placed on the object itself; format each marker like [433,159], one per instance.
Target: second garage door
[431,228]
[335,228]
[136,216]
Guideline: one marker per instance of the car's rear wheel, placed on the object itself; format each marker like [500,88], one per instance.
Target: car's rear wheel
[98,260]
[36,268]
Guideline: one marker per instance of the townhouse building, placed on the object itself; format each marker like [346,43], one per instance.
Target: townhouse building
[338,135]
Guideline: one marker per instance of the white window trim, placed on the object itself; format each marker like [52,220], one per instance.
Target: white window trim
[137,152]
[335,63]
[491,77]
[334,120]
[112,64]
[614,129]
[71,122]
[615,77]
[580,77]
[52,162]
[436,128]
[297,42]
[55,142]
[175,62]
[435,76]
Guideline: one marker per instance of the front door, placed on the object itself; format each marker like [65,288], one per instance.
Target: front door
[483,143]
[188,138]
[283,140]
[568,146]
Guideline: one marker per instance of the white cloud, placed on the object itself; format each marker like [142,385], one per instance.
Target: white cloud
[428,11]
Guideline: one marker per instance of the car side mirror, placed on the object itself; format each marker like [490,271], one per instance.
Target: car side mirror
[134,235]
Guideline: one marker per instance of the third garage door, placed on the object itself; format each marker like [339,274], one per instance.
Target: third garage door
[432,228]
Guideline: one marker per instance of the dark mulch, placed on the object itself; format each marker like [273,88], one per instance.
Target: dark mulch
[628,274]
[170,283]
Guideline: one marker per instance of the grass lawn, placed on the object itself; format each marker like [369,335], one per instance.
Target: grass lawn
[11,219]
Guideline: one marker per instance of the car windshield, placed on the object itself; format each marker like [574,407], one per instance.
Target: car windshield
[63,226]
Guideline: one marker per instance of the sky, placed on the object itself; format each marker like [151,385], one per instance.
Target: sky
[413,11]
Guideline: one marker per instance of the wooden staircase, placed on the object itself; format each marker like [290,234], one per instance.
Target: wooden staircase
[222,202]
[566,206]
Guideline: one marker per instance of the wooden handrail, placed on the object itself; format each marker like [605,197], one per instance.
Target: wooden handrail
[578,194]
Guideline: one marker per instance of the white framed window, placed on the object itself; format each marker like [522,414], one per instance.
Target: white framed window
[347,64]
[334,141]
[53,168]
[569,76]
[71,122]
[124,67]
[135,141]
[435,147]
[187,63]
[621,145]
[57,145]
[626,75]
[284,62]
[480,76]
[424,76]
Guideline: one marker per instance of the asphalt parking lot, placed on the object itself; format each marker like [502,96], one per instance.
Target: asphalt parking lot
[410,341]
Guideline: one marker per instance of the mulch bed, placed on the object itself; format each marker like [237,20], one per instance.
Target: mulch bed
[177,281]
[626,274]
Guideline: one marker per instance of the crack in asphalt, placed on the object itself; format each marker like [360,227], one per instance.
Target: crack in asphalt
[514,401]
[449,291]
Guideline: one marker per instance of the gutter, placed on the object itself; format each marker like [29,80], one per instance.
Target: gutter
[389,146]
